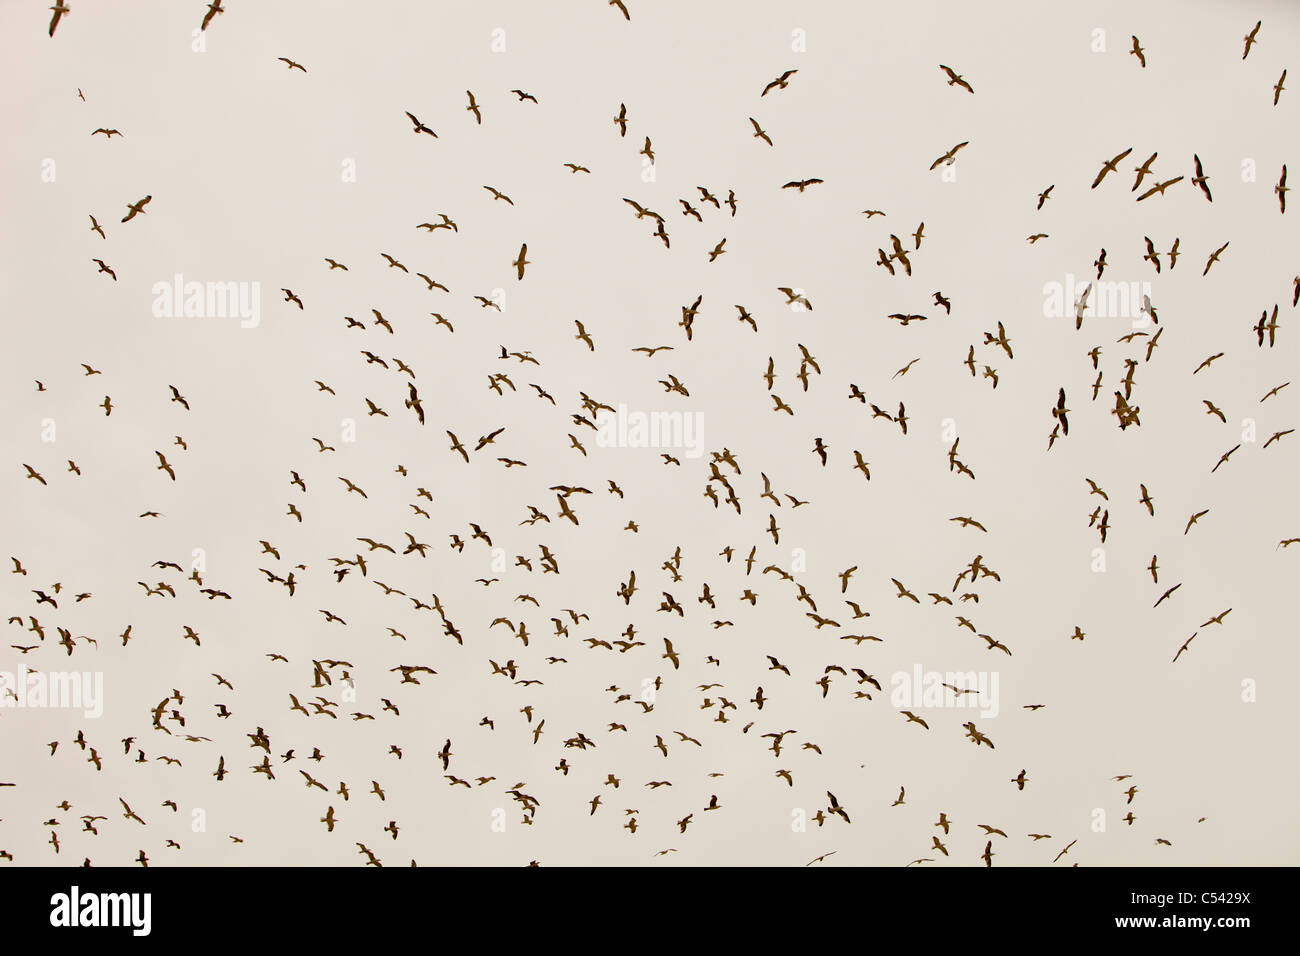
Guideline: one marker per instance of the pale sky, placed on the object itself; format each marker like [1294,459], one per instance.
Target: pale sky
[258,172]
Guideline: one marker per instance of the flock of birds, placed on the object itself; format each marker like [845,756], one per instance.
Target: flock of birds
[205,728]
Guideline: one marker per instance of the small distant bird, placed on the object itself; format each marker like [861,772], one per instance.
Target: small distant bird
[949,157]
[955,79]
[1250,38]
[60,8]
[214,8]
[1138,52]
[780,83]
[136,208]
[1199,180]
[420,127]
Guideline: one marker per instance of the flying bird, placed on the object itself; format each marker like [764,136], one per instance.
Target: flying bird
[780,83]
[955,79]
[60,8]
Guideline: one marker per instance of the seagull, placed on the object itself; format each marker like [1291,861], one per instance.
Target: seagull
[214,8]
[60,8]
[949,157]
[136,208]
[420,127]
[521,261]
[956,79]
[780,83]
